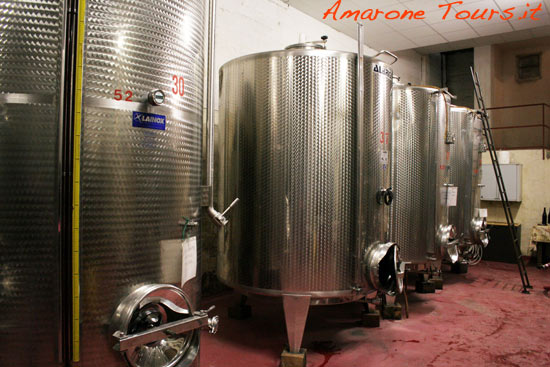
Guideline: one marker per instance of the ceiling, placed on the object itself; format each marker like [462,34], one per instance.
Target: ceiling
[433,34]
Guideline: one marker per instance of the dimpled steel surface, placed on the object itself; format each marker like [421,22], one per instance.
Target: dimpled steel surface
[136,184]
[31,41]
[290,141]
[477,153]
[465,169]
[420,171]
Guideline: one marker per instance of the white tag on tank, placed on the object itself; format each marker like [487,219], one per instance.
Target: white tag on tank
[384,157]
[482,213]
[452,196]
[188,260]
[170,261]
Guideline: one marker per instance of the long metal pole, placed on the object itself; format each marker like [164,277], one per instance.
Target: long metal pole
[217,217]
[210,102]
[360,131]
[543,132]
[59,194]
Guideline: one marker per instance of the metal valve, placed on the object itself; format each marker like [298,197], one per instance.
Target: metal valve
[450,138]
[213,324]
[324,39]
[156,97]
[385,196]
[219,218]
[483,147]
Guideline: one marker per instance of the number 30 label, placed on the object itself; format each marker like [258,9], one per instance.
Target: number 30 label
[178,86]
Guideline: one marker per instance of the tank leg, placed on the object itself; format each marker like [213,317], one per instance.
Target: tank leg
[459,267]
[436,276]
[391,309]
[240,310]
[423,284]
[370,316]
[296,308]
[405,297]
[293,359]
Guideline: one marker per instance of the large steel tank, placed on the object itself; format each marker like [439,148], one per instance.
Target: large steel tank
[466,175]
[290,145]
[307,224]
[95,178]
[421,152]
[31,88]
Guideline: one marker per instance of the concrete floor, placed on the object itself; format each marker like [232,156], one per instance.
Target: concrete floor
[479,319]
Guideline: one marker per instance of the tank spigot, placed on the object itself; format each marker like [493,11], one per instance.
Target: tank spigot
[219,218]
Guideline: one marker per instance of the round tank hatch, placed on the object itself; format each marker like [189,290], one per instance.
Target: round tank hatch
[479,230]
[306,46]
[315,45]
[156,325]
[383,269]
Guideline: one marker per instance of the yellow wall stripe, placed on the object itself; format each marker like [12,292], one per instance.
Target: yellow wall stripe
[76,182]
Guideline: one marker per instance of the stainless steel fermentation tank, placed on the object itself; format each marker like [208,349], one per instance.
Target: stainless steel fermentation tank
[466,174]
[100,111]
[422,143]
[310,161]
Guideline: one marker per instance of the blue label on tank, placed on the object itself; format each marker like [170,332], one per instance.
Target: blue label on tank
[149,121]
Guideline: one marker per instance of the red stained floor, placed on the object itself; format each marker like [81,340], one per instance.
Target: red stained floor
[479,319]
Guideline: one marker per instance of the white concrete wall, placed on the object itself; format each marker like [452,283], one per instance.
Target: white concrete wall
[483,64]
[409,67]
[250,26]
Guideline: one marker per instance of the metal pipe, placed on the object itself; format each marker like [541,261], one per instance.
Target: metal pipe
[210,99]
[359,159]
[217,217]
[544,127]
[59,193]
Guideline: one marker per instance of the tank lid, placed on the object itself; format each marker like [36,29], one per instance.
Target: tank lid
[311,45]
[423,87]
[467,109]
[306,46]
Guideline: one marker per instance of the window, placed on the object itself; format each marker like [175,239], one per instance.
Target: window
[528,67]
